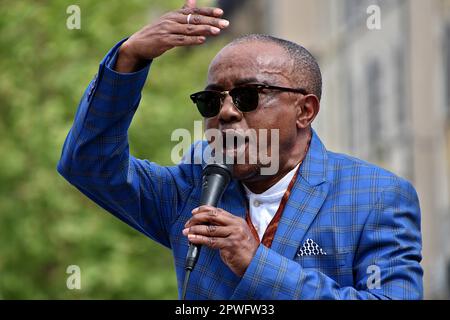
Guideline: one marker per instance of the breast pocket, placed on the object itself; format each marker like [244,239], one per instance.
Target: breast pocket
[337,266]
[325,262]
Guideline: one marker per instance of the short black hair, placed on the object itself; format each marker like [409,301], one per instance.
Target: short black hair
[306,69]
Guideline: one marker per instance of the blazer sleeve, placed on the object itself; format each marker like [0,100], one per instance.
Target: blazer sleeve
[96,159]
[390,245]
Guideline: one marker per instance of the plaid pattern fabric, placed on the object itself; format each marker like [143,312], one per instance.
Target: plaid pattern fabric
[361,215]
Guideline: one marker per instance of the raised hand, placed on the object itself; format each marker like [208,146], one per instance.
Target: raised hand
[185,27]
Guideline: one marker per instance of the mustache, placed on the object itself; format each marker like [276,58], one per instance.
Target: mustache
[236,137]
[249,146]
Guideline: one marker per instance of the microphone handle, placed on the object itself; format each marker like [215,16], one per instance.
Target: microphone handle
[214,182]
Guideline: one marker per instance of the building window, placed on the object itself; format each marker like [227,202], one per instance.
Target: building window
[400,61]
[447,68]
[373,85]
[350,116]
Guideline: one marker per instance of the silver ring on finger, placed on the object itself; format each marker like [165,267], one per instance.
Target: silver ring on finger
[188,19]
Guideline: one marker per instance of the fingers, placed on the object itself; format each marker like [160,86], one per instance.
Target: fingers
[210,215]
[183,40]
[199,19]
[204,11]
[173,30]
[218,229]
[209,231]
[211,210]
[194,30]
[212,242]
[210,226]
[180,33]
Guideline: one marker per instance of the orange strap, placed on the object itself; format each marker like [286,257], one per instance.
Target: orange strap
[269,234]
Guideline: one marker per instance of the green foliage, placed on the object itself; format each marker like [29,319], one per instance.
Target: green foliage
[46,224]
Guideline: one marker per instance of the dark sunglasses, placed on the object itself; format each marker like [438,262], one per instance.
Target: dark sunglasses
[245,98]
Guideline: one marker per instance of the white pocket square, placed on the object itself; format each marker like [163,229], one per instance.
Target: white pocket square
[310,248]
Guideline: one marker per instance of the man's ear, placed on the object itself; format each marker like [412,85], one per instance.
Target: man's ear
[308,107]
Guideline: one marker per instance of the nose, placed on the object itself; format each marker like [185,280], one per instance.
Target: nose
[229,113]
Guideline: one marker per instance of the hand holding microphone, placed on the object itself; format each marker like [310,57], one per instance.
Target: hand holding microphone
[218,229]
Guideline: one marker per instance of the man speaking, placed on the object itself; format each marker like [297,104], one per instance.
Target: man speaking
[321,226]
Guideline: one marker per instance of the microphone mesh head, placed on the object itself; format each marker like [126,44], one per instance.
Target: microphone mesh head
[219,158]
[225,170]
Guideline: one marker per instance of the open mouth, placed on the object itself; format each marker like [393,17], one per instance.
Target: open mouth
[235,143]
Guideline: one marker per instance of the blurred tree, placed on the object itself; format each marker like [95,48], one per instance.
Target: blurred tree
[45,224]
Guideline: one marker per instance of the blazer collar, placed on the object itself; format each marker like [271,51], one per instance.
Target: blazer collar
[314,167]
[306,199]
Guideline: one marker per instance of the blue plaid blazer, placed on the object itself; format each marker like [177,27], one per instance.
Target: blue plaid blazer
[366,219]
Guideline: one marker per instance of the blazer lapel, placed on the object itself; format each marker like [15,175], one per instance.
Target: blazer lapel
[306,199]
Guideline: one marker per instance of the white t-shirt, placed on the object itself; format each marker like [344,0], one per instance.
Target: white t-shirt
[264,206]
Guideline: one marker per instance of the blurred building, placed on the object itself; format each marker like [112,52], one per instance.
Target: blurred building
[386,94]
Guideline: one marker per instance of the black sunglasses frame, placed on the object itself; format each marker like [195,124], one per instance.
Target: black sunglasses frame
[221,95]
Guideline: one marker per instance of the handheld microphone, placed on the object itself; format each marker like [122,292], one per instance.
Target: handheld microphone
[216,177]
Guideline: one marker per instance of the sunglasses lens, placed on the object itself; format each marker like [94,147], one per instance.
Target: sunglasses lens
[245,98]
[208,103]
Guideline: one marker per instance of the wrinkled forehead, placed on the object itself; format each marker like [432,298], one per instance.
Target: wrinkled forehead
[247,62]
